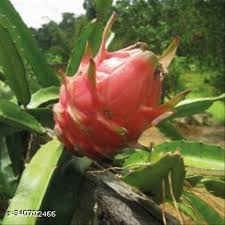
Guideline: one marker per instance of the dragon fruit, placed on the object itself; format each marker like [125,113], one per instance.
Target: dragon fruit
[112,98]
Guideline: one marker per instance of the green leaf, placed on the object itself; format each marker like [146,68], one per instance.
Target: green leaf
[102,6]
[44,116]
[2,76]
[6,92]
[34,182]
[137,157]
[8,181]
[96,37]
[190,107]
[15,145]
[193,180]
[63,191]
[43,96]
[12,115]
[188,210]
[13,67]
[201,158]
[124,154]
[167,128]
[149,178]
[6,130]
[92,33]
[26,44]
[215,186]
[204,209]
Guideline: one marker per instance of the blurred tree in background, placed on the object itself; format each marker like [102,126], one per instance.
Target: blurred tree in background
[90,9]
[199,23]
[57,40]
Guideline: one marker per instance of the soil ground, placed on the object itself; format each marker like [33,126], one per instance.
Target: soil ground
[207,134]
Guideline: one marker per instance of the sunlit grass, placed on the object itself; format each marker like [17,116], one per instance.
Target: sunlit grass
[218,111]
[197,81]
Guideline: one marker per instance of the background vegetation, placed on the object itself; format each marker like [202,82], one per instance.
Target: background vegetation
[199,23]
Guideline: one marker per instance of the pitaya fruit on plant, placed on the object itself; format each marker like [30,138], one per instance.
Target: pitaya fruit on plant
[112,98]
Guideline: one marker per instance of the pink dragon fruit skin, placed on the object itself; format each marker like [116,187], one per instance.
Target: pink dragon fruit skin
[112,99]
